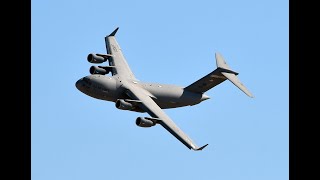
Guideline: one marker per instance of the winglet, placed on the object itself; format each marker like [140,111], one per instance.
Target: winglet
[199,149]
[114,32]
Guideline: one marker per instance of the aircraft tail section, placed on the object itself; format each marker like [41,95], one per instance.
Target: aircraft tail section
[216,77]
[230,75]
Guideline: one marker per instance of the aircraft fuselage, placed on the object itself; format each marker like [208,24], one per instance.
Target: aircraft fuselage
[111,88]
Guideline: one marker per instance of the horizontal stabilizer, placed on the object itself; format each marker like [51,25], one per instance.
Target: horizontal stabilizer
[235,80]
[230,75]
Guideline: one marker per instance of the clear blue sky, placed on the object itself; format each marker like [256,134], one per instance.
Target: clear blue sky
[77,137]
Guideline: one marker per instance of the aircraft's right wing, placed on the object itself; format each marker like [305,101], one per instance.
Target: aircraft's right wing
[117,59]
[147,104]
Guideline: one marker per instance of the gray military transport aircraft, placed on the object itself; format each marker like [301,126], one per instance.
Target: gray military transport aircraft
[129,93]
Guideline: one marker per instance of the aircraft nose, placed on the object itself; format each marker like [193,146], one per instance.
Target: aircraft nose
[204,97]
[78,83]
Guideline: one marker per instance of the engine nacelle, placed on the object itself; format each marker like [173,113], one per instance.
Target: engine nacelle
[99,70]
[97,58]
[122,104]
[143,122]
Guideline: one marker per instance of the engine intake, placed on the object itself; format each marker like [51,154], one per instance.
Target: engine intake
[99,70]
[122,104]
[97,58]
[143,122]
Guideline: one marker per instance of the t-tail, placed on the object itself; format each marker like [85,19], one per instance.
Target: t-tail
[230,75]
[216,77]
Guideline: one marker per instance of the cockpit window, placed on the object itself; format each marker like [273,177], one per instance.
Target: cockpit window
[86,80]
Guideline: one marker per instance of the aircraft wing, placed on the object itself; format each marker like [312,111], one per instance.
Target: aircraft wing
[117,60]
[147,104]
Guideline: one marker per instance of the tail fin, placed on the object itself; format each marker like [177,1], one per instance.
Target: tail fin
[216,77]
[230,75]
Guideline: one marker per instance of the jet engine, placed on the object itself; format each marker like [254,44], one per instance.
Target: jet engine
[143,122]
[122,104]
[99,70]
[97,58]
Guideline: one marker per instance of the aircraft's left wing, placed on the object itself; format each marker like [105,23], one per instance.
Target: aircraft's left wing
[147,104]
